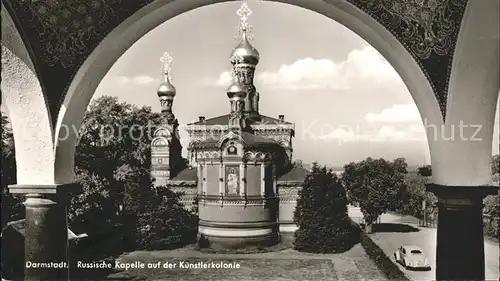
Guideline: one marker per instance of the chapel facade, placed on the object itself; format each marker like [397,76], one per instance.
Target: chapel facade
[240,170]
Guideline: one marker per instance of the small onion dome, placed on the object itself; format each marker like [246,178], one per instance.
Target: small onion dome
[166,89]
[236,91]
[246,51]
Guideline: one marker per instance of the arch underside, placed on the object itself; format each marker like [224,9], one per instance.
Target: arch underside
[64,33]
[25,103]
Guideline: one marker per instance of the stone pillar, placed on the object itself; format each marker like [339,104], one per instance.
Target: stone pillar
[460,238]
[46,231]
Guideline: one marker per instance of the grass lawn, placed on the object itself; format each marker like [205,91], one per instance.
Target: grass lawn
[250,269]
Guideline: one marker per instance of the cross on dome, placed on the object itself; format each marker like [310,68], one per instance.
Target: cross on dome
[244,12]
[166,61]
[244,28]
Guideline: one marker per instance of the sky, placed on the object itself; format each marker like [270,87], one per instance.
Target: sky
[346,100]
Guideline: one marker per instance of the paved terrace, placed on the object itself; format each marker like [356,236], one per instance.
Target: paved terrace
[277,266]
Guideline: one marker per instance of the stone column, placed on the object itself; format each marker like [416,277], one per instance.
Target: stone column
[46,231]
[460,238]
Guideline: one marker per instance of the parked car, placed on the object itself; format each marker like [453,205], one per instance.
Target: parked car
[412,257]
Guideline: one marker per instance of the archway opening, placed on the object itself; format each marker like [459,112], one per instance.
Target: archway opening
[87,79]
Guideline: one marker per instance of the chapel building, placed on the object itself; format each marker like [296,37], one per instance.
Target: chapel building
[240,170]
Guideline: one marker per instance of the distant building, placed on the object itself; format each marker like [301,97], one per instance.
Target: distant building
[239,164]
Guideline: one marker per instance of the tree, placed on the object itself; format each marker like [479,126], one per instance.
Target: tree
[414,194]
[375,185]
[425,171]
[113,160]
[165,223]
[321,214]
[495,167]
[12,207]
[491,203]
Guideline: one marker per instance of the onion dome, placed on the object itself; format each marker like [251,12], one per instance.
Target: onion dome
[236,91]
[166,89]
[245,51]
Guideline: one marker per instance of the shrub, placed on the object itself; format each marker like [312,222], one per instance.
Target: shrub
[383,262]
[165,224]
[491,226]
[321,215]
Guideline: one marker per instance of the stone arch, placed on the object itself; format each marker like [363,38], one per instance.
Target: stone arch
[27,108]
[231,136]
[132,29]
[466,160]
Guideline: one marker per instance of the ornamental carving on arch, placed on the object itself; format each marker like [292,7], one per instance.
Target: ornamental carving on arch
[64,33]
[216,155]
[248,156]
[429,25]
[67,31]
[428,29]
[259,157]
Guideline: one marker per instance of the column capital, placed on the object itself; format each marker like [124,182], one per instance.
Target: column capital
[61,191]
[461,195]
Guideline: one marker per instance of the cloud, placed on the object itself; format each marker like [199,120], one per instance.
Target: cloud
[224,79]
[385,133]
[390,133]
[305,74]
[140,79]
[365,65]
[400,113]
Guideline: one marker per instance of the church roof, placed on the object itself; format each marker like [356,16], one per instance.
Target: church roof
[296,174]
[224,120]
[188,174]
[250,140]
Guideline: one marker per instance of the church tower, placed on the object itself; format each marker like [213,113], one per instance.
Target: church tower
[166,149]
[244,59]
[237,95]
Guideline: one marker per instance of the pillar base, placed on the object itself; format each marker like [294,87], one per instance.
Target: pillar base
[46,231]
[460,238]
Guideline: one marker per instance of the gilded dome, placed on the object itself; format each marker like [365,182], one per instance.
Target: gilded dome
[236,91]
[166,89]
[245,51]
